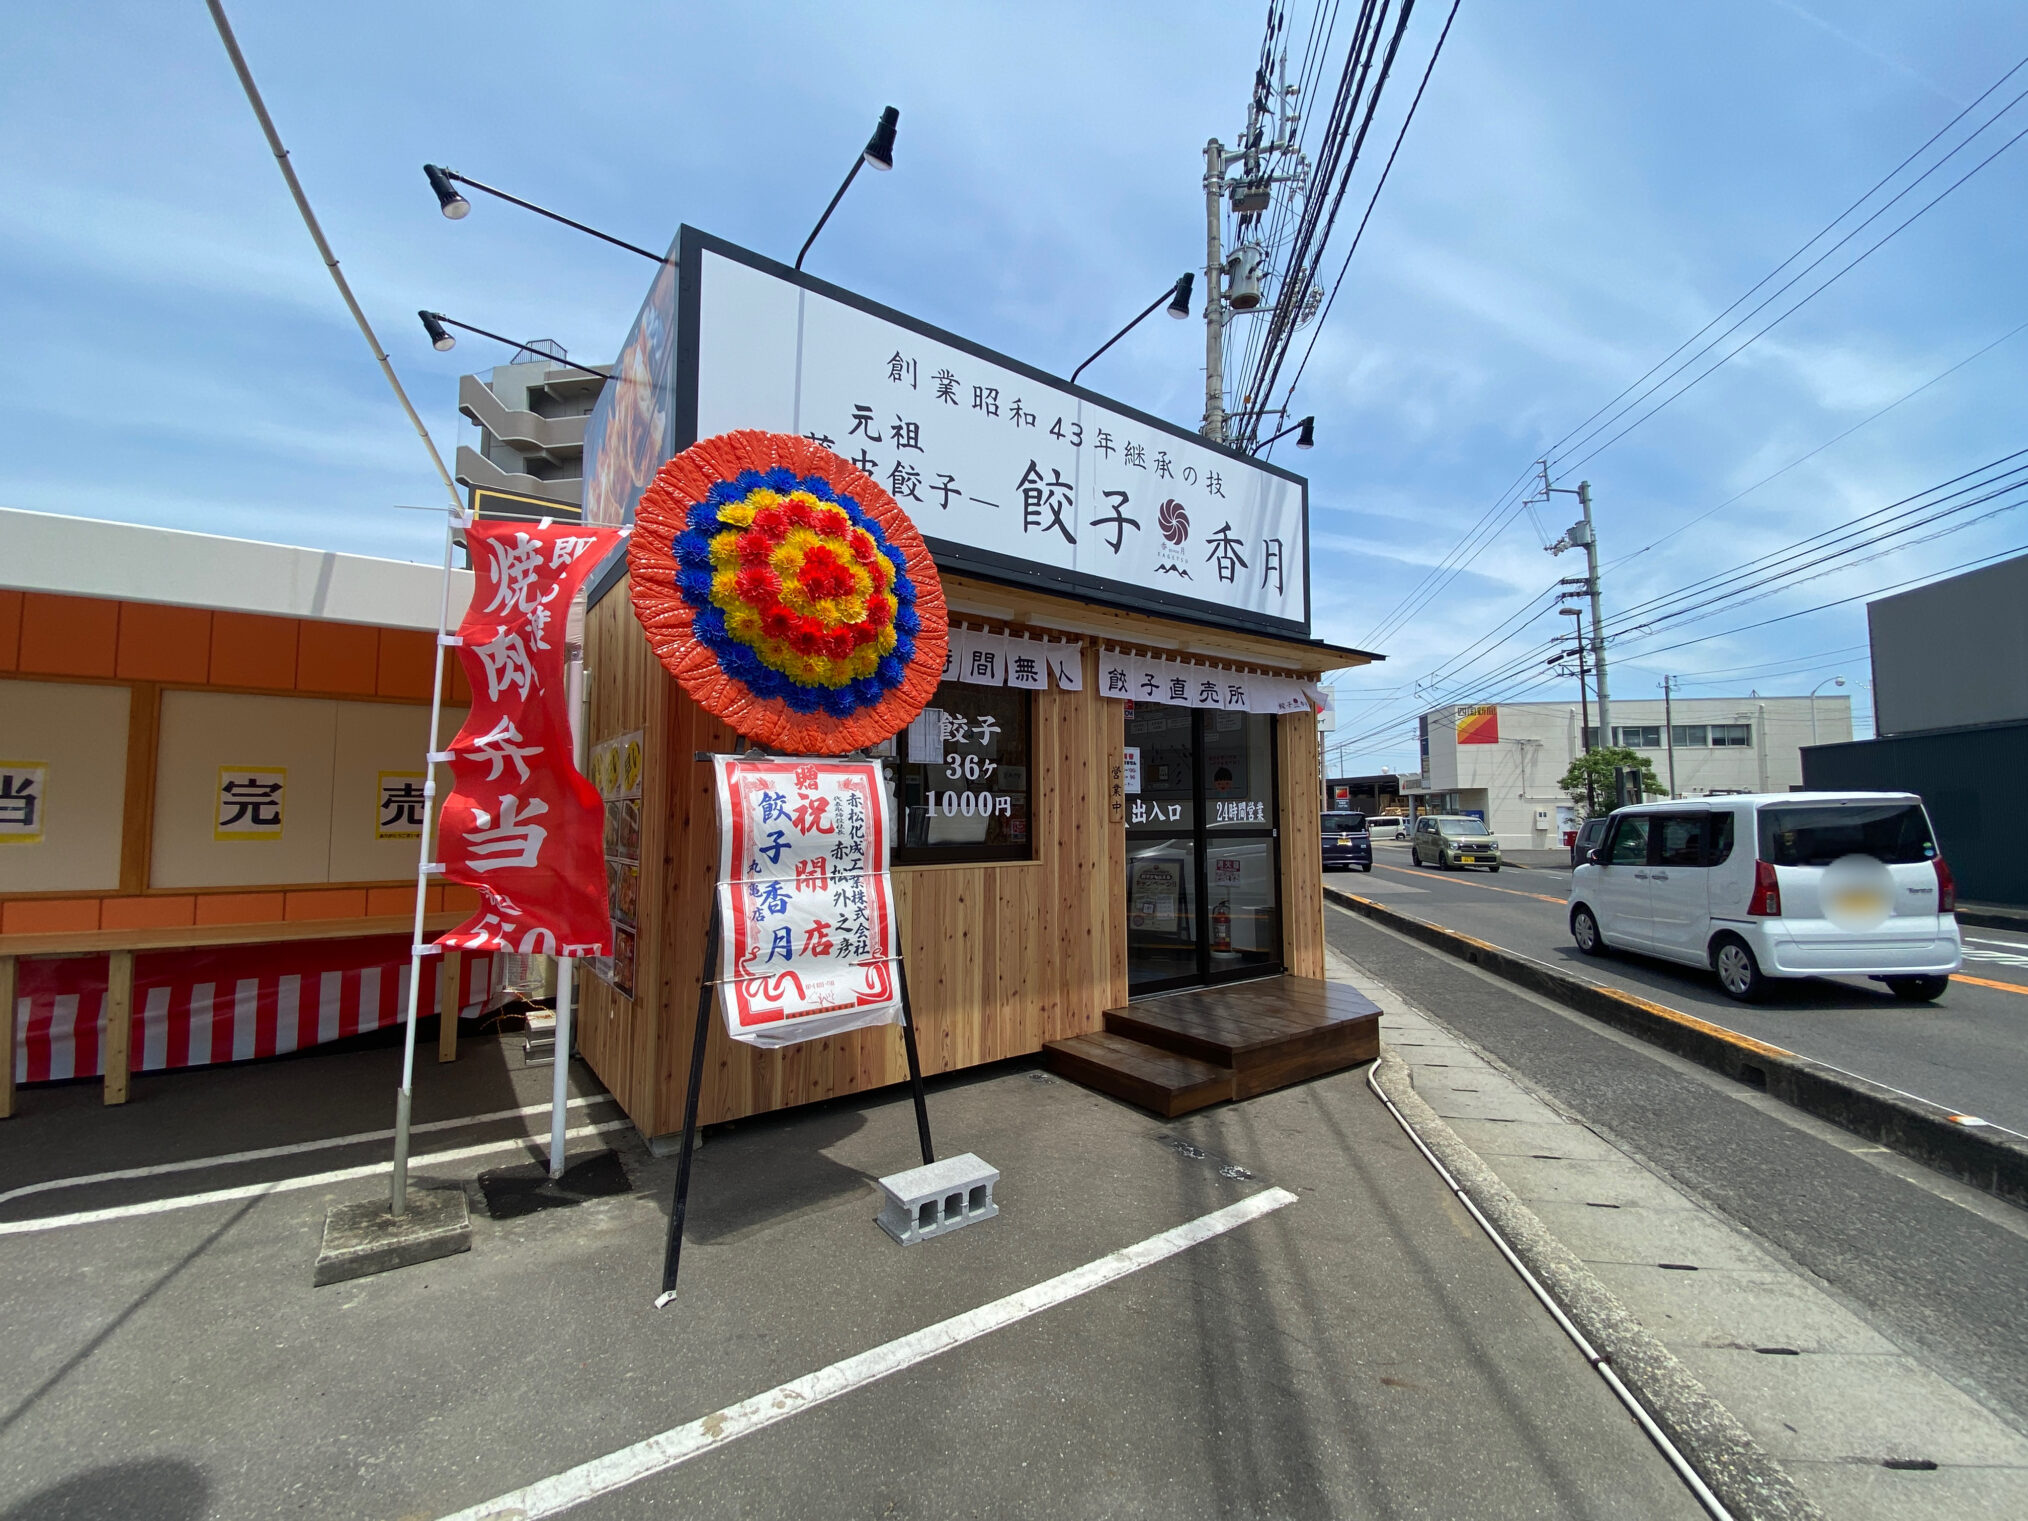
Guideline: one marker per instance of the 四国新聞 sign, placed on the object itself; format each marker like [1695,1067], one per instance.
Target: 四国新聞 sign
[806,908]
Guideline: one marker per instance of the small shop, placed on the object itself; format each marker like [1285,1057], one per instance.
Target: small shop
[211,795]
[1112,792]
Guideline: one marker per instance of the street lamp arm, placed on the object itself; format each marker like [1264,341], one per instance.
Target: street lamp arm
[1147,312]
[513,343]
[544,211]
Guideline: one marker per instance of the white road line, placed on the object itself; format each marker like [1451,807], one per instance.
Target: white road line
[629,1465]
[229,1159]
[278,1186]
[2012,945]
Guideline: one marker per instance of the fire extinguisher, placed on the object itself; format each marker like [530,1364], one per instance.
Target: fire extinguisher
[1221,927]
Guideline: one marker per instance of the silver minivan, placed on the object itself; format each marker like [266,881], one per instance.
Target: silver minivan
[1788,884]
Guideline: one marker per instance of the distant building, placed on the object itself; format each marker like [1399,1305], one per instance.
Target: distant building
[1950,703]
[530,415]
[1503,761]
[1367,794]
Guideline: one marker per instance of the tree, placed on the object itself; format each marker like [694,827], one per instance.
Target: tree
[1591,777]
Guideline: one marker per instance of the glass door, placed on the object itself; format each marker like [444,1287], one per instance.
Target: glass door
[1203,884]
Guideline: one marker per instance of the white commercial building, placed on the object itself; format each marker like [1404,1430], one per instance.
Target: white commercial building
[1503,761]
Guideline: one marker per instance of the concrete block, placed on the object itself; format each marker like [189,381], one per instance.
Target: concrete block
[937,1199]
[364,1238]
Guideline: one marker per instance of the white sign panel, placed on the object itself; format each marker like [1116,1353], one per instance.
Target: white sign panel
[1002,471]
[806,909]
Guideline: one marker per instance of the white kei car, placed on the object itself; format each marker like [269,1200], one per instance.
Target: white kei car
[1765,885]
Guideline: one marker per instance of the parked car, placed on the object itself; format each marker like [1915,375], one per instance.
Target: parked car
[1387,826]
[1346,842]
[1451,840]
[1790,884]
[1588,836]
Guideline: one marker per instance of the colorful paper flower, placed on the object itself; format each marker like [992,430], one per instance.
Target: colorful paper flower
[787,593]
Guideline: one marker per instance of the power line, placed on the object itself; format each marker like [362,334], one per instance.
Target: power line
[1801,249]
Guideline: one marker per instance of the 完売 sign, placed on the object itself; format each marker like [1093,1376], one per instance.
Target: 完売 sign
[806,909]
[1005,470]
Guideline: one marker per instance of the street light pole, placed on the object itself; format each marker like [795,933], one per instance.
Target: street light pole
[1813,702]
[1669,727]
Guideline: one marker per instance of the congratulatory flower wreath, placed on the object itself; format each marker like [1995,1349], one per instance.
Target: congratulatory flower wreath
[787,593]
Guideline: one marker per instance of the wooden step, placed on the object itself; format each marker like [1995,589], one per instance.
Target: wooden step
[1158,1080]
[1270,1033]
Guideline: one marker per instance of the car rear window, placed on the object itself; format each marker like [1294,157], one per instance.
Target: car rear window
[1816,834]
[1344,823]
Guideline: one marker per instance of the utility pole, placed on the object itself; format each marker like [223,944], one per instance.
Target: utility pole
[1669,727]
[1580,535]
[1584,710]
[1598,659]
[1214,293]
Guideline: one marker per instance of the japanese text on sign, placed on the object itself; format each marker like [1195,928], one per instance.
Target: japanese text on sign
[986,458]
[806,909]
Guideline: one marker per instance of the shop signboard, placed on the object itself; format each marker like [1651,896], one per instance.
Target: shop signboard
[807,930]
[1008,472]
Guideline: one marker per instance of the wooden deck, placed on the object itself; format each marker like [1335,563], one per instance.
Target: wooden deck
[1187,1050]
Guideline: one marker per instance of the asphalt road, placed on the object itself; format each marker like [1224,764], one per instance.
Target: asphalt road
[1967,1051]
[1939,1269]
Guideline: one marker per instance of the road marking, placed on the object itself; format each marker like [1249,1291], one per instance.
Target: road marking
[1512,892]
[2011,945]
[658,1454]
[1987,982]
[278,1186]
[298,1148]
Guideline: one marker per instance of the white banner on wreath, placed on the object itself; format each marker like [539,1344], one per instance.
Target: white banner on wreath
[809,944]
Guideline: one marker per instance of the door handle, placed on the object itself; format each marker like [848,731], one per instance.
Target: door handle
[1640,876]
[1659,876]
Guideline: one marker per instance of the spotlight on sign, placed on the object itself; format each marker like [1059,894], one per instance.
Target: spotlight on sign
[452,204]
[880,146]
[440,336]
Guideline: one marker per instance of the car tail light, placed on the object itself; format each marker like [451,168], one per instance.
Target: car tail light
[1766,902]
[1946,889]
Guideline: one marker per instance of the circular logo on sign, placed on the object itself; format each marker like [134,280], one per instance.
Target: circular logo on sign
[1174,521]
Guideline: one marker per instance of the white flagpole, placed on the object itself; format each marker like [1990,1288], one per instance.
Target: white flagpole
[566,966]
[417,951]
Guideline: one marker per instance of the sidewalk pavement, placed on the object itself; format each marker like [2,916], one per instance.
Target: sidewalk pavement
[1362,1351]
[1860,1427]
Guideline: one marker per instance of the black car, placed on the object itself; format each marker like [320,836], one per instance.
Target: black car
[1587,840]
[1346,842]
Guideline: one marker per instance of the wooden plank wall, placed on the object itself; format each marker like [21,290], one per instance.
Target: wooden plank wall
[620,1036]
[1302,844]
[1000,957]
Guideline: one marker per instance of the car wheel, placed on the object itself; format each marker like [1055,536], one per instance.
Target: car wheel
[1367,867]
[1492,868]
[1738,973]
[1584,930]
[1917,989]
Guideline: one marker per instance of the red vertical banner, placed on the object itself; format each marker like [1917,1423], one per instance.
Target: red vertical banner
[521,824]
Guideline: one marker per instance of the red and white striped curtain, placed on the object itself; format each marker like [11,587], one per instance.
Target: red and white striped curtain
[196,1008]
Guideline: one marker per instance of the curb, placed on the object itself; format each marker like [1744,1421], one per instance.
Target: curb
[1993,1163]
[1742,1473]
[1993,918]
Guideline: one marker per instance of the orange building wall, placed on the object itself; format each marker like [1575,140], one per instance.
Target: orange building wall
[44,634]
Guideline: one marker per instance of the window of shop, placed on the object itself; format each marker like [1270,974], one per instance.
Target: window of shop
[963,778]
[1203,867]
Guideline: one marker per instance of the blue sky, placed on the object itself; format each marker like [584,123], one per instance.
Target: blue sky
[1585,186]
